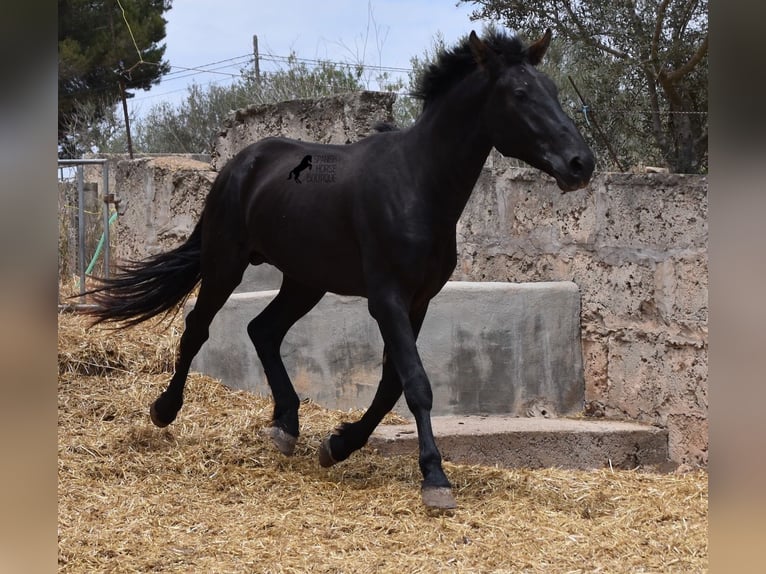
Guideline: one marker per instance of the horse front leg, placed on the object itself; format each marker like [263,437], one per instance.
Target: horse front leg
[350,437]
[390,310]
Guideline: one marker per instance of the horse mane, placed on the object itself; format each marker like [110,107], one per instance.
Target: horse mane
[452,65]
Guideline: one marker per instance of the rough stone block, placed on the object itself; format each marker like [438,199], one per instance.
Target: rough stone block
[653,213]
[162,199]
[338,119]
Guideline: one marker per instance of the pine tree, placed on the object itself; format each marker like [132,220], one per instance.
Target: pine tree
[105,48]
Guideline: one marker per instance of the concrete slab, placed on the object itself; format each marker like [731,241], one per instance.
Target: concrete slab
[533,442]
[488,348]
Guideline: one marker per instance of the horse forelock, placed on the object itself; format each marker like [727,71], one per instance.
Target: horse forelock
[454,64]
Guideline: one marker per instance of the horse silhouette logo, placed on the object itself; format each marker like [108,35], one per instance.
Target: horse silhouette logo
[296,171]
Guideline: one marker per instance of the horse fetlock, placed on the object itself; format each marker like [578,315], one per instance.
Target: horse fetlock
[287,421]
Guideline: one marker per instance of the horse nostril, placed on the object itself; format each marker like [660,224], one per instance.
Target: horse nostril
[576,165]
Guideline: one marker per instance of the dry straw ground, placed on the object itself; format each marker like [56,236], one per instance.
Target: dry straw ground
[209,494]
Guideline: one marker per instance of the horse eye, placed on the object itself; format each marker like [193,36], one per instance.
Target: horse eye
[520,94]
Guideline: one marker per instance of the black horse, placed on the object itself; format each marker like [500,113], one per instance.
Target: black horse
[376,218]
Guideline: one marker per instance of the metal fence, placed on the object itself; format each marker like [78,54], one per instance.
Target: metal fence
[86,210]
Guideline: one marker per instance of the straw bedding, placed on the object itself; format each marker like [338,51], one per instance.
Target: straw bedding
[210,494]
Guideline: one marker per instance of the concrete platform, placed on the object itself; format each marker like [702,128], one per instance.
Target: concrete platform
[534,442]
[488,348]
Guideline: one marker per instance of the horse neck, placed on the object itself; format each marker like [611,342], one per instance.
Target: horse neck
[451,145]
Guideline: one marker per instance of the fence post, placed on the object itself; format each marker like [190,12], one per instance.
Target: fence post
[81,227]
[107,201]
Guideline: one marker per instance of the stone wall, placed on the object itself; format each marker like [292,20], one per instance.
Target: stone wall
[161,199]
[636,245]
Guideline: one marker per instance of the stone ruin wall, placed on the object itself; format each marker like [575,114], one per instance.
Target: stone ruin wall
[635,244]
[336,120]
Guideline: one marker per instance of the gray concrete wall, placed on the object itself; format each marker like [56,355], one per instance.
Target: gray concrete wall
[636,245]
[488,348]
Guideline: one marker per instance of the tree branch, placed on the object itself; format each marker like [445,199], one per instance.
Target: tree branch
[658,31]
[659,133]
[592,41]
[679,73]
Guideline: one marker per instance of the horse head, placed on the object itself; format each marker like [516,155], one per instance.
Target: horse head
[522,115]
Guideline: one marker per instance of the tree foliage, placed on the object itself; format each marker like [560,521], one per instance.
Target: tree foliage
[104,51]
[298,80]
[190,126]
[640,64]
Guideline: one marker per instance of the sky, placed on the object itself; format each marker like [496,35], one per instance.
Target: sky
[218,35]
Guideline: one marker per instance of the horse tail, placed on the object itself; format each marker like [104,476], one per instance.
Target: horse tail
[144,289]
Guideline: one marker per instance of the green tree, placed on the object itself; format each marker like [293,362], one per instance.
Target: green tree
[191,126]
[105,48]
[299,80]
[642,66]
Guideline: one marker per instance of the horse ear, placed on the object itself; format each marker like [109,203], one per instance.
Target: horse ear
[536,51]
[483,54]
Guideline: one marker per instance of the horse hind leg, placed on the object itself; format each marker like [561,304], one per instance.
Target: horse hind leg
[267,331]
[218,282]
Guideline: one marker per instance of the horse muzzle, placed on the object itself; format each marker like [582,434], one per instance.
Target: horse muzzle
[575,173]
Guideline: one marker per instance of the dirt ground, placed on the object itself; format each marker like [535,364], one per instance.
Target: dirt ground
[210,494]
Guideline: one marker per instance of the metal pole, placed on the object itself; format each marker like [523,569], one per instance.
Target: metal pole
[124,96]
[612,154]
[81,227]
[105,173]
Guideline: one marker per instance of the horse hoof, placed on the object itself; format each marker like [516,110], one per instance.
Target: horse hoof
[325,455]
[284,442]
[156,417]
[438,497]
